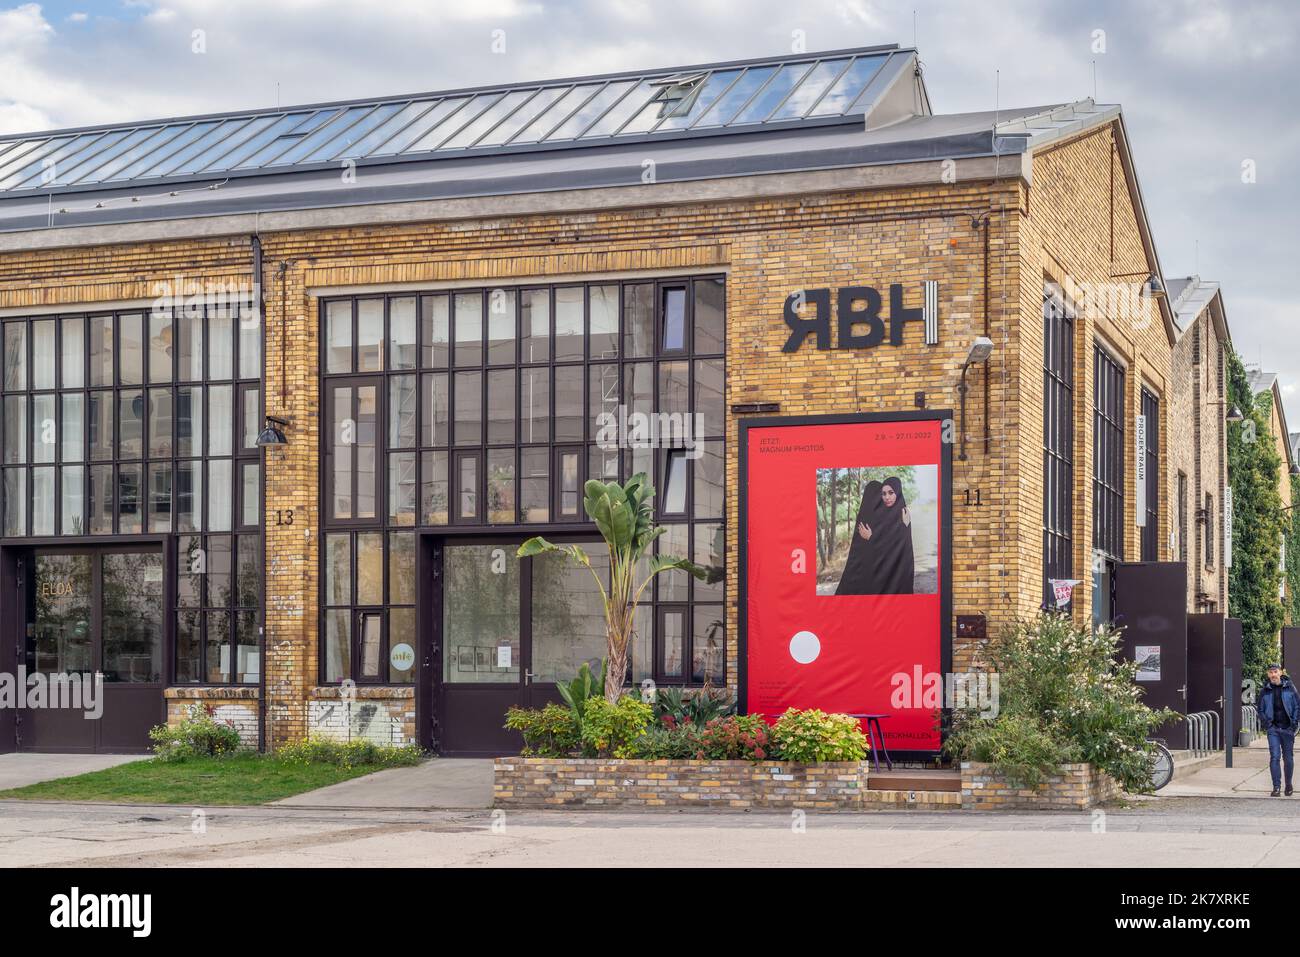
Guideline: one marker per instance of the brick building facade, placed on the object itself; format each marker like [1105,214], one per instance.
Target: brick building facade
[1013,216]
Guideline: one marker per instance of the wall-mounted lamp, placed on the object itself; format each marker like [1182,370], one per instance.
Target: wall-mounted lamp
[1234,414]
[1152,286]
[980,350]
[273,434]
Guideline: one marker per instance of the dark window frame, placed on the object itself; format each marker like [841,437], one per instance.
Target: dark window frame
[586,446]
[1058,442]
[240,381]
[1150,534]
[1109,454]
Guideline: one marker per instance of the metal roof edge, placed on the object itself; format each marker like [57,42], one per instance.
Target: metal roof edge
[164,227]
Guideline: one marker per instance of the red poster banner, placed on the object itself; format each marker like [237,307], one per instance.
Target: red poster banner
[845,537]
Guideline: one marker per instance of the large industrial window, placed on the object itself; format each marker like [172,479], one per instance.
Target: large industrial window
[1058,442]
[473,410]
[1108,455]
[145,422]
[1151,530]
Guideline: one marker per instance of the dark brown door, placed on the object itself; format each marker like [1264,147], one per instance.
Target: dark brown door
[1232,659]
[95,624]
[1151,607]
[1205,663]
[508,631]
[479,633]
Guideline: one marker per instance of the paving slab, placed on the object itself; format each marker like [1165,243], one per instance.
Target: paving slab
[1247,778]
[439,783]
[20,770]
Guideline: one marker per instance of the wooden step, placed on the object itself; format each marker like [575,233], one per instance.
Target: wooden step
[914,781]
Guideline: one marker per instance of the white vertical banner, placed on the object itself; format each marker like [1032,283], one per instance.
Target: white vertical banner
[1140,476]
[1227,526]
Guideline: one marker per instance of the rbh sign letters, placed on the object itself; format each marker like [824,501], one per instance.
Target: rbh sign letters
[858,306]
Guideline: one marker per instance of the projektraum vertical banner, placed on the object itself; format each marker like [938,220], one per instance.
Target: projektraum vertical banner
[1227,526]
[1140,471]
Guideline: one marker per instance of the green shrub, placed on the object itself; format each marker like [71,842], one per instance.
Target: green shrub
[199,734]
[1064,682]
[812,735]
[698,709]
[611,729]
[663,742]
[736,738]
[1016,745]
[549,732]
[349,754]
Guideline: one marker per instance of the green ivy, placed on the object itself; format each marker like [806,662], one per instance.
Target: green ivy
[1254,470]
[1293,555]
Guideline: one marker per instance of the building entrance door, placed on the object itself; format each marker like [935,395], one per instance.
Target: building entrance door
[94,639]
[508,630]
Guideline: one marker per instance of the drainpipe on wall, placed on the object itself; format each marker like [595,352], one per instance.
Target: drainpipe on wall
[255,243]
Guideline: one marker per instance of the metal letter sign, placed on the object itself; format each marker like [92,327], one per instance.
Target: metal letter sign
[1140,500]
[858,306]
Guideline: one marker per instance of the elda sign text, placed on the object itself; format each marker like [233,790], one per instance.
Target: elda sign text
[859,323]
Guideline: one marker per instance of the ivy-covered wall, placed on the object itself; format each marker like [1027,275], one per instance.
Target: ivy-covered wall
[1255,472]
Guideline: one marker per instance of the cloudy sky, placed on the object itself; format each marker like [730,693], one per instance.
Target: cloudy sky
[1206,85]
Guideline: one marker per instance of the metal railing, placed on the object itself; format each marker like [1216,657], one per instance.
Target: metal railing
[1203,732]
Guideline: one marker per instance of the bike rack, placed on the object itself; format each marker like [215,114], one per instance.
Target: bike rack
[1250,720]
[1203,732]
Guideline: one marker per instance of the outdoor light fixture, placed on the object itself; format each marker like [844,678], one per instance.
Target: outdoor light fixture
[1234,414]
[273,434]
[980,350]
[1152,286]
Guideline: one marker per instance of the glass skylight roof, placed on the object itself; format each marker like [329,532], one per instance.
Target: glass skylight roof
[728,96]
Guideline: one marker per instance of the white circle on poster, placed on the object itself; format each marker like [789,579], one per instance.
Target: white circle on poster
[805,647]
[402,657]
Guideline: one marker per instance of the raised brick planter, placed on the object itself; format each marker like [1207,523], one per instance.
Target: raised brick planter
[1075,787]
[596,782]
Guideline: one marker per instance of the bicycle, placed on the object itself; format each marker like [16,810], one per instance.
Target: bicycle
[1162,765]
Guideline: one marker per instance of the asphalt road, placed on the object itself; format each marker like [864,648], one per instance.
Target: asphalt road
[1168,832]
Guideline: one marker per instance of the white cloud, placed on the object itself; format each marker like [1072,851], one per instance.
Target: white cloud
[1204,83]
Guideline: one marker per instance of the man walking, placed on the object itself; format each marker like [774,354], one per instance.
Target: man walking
[1279,714]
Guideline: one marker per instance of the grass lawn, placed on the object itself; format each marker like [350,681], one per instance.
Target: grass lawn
[238,779]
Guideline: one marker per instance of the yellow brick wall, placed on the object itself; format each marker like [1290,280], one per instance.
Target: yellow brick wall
[769,248]
[1198,412]
[1069,235]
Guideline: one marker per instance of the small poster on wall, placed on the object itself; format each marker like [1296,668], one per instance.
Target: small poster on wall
[1148,659]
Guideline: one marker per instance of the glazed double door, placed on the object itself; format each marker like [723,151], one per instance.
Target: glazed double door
[94,637]
[507,631]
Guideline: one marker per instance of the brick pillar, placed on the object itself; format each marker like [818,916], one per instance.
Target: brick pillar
[291,507]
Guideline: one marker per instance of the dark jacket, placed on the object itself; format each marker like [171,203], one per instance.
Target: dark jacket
[1290,701]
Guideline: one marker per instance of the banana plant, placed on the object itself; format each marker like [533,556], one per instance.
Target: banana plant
[583,687]
[625,519]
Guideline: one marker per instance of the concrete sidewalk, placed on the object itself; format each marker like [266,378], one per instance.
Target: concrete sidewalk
[439,783]
[1247,778]
[20,770]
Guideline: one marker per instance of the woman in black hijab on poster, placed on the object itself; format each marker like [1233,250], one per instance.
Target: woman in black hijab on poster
[894,565]
[857,577]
